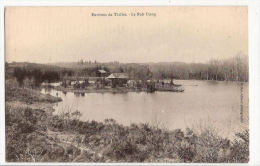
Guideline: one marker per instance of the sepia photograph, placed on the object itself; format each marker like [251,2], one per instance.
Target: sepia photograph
[165,84]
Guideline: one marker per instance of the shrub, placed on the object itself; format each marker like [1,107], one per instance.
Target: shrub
[240,148]
[186,152]
[21,127]
[19,74]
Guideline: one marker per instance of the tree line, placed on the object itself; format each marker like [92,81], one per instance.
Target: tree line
[36,76]
[233,69]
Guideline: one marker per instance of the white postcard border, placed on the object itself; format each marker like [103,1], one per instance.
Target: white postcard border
[254,63]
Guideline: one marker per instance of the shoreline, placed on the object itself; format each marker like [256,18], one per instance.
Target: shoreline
[110,90]
[65,138]
[127,89]
[119,91]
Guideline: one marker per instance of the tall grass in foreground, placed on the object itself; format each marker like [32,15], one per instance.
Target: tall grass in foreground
[151,143]
[109,141]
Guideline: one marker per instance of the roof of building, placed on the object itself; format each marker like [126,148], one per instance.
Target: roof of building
[102,71]
[118,75]
[165,81]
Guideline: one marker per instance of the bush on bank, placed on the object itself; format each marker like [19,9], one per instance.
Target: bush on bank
[144,143]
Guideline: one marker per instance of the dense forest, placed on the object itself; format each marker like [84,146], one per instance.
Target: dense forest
[234,69]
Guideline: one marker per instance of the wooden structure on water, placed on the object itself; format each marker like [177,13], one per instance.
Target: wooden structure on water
[152,86]
[121,80]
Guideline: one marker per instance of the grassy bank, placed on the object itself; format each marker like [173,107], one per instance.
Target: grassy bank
[26,95]
[33,134]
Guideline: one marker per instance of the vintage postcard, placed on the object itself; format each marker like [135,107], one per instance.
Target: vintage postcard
[127,84]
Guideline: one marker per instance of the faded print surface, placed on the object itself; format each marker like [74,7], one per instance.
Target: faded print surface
[175,34]
[127,84]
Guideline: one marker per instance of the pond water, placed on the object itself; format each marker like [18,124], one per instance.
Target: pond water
[202,104]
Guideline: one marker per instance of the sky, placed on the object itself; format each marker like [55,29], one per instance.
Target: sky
[175,34]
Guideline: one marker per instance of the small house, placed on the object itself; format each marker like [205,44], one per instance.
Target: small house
[101,73]
[118,79]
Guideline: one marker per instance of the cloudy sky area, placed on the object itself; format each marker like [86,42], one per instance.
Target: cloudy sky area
[66,34]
